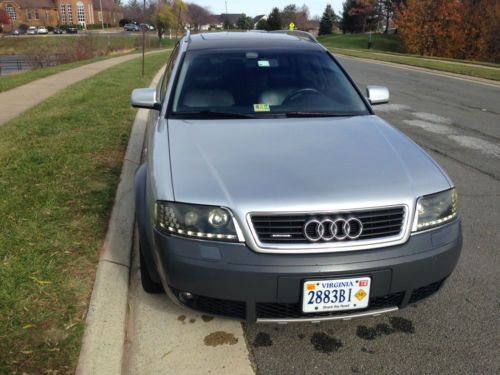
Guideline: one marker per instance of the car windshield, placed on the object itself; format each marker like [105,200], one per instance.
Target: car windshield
[263,82]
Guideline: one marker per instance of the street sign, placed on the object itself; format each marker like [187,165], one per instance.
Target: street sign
[291,26]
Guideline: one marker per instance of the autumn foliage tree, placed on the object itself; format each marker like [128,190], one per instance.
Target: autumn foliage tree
[199,16]
[464,29]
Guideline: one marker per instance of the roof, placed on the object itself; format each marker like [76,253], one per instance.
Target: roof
[258,18]
[27,4]
[231,17]
[249,40]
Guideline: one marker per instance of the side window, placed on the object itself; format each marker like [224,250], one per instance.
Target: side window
[168,72]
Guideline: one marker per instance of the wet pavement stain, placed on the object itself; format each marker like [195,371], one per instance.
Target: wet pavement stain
[181,318]
[220,338]
[397,325]
[324,343]
[262,340]
[192,320]
[207,318]
[402,325]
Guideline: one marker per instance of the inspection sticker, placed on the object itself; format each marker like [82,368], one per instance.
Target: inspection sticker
[261,108]
[264,63]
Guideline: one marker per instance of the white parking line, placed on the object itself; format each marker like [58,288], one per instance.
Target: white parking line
[392,107]
[477,144]
[433,118]
[430,126]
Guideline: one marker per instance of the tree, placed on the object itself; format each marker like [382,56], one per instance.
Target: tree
[433,27]
[482,30]
[302,18]
[227,25]
[327,21]
[386,8]
[274,20]
[289,15]
[4,17]
[198,15]
[133,11]
[169,16]
[244,22]
[262,24]
[362,9]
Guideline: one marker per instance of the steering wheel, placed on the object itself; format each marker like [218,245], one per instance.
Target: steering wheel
[294,95]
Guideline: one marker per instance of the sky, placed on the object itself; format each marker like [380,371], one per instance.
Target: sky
[256,7]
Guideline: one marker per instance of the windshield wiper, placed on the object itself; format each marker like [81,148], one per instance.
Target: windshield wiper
[214,114]
[320,114]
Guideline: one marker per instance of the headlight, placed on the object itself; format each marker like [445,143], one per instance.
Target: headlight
[197,221]
[435,209]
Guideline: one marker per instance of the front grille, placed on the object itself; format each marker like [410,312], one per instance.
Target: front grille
[215,306]
[425,291]
[294,310]
[289,229]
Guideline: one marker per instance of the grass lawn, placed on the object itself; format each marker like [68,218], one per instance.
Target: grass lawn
[388,48]
[60,167]
[380,42]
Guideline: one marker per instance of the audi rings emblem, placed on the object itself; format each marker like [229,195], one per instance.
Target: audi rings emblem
[327,229]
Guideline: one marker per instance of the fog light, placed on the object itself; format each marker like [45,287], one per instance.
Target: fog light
[185,297]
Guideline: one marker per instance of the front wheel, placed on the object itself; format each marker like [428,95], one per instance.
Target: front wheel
[147,282]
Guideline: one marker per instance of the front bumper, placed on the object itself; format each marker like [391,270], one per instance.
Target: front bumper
[231,280]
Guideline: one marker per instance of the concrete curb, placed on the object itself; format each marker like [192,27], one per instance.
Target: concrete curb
[102,345]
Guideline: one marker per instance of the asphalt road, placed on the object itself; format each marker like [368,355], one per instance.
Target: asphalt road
[457,330]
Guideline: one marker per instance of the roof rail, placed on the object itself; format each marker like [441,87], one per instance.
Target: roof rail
[297,33]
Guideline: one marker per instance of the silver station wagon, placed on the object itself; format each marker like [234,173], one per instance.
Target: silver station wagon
[271,192]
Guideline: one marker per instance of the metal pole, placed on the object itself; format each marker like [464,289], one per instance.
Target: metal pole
[143,35]
[227,18]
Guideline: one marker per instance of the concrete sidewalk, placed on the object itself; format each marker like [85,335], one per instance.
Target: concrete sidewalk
[16,101]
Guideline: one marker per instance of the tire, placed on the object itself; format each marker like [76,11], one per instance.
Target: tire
[148,284]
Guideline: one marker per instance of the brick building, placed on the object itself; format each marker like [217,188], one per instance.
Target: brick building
[61,12]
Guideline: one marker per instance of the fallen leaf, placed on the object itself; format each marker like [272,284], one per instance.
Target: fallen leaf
[41,282]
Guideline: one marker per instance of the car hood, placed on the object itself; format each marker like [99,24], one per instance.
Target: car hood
[300,164]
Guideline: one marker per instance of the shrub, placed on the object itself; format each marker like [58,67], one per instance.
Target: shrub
[97,26]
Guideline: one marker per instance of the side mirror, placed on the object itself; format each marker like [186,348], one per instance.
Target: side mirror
[145,98]
[377,94]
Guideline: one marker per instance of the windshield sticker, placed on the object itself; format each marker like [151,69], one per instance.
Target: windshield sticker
[261,108]
[264,63]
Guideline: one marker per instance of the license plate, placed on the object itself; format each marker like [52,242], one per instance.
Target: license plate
[335,295]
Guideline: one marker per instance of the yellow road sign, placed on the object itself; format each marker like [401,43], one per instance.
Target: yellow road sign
[291,26]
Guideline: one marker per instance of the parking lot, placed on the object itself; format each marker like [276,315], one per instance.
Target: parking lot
[457,331]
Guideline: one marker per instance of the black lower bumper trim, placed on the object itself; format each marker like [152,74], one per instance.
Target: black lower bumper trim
[285,311]
[294,310]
